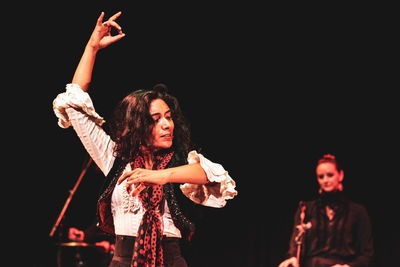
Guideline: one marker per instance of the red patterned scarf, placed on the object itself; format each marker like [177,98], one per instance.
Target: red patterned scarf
[148,251]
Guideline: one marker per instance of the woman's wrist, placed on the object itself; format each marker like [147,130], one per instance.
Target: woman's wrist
[91,49]
[166,176]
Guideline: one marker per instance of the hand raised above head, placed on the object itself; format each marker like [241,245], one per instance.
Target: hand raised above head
[101,36]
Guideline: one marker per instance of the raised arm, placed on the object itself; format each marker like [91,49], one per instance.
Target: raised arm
[101,37]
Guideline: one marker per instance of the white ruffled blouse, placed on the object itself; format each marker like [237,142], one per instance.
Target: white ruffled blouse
[75,107]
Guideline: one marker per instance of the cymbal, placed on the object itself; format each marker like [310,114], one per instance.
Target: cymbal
[76,244]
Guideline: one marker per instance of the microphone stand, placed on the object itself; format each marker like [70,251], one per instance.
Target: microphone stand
[71,194]
[302,229]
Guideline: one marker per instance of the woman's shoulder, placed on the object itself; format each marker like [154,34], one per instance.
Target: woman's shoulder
[357,207]
[310,203]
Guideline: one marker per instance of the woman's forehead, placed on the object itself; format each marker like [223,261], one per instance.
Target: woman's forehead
[158,106]
[326,166]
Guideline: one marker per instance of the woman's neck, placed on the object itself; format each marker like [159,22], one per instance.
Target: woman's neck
[148,156]
[148,161]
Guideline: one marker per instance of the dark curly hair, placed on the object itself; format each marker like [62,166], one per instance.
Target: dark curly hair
[132,124]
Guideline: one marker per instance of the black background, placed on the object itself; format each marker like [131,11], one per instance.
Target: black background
[267,91]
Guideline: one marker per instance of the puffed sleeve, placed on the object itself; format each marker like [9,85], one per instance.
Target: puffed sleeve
[76,98]
[221,186]
[74,107]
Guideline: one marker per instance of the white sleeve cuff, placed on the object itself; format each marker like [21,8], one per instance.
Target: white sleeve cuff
[218,191]
[76,98]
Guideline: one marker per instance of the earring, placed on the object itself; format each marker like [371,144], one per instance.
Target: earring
[320,190]
[340,187]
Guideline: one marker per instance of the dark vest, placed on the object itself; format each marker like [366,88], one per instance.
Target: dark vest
[104,216]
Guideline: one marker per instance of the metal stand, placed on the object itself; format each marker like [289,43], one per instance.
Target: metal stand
[302,229]
[71,194]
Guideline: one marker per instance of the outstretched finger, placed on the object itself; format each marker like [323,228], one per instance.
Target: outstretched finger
[117,37]
[115,16]
[100,19]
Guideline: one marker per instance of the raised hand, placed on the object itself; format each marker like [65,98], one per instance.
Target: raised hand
[101,36]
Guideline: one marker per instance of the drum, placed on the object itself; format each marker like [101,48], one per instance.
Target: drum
[81,254]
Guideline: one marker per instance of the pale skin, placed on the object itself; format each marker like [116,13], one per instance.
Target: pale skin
[329,179]
[101,37]
[162,134]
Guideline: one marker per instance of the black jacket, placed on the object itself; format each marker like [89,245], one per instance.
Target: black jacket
[346,239]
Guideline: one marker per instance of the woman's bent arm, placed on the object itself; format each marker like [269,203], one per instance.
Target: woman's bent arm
[100,38]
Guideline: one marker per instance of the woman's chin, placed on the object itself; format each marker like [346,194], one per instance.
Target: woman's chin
[164,145]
